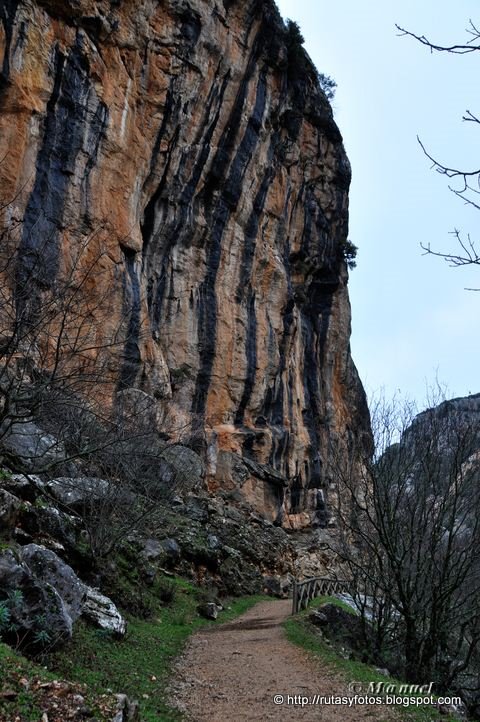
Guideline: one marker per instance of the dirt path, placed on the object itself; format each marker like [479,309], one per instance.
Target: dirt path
[232,672]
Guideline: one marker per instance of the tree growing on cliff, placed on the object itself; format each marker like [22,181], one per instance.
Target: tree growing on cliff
[466,182]
[298,60]
[409,538]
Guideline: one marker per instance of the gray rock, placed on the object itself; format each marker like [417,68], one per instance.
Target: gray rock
[127,711]
[50,590]
[58,525]
[102,612]
[25,487]
[343,628]
[171,548]
[32,448]
[318,619]
[48,567]
[213,541]
[208,610]
[152,550]
[232,513]
[48,523]
[9,508]
[196,509]
[188,467]
[447,710]
[134,405]
[278,586]
[39,607]
[76,493]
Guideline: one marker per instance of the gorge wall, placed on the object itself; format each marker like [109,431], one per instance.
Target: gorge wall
[192,143]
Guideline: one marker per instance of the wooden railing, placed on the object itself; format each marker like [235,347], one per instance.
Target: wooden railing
[308,589]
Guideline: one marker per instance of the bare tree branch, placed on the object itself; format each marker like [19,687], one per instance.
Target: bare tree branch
[469,47]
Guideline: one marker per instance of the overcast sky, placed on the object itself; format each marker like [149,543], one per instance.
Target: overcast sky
[412,319]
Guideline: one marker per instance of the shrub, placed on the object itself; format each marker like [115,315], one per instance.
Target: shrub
[297,59]
[166,591]
[349,253]
[327,84]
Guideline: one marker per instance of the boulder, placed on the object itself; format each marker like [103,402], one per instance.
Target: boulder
[137,407]
[48,522]
[164,550]
[188,467]
[25,487]
[278,586]
[171,549]
[453,710]
[51,596]
[102,612]
[36,606]
[76,493]
[152,550]
[58,525]
[49,568]
[209,610]
[340,626]
[318,618]
[31,448]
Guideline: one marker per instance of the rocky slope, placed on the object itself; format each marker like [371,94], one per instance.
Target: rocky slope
[186,148]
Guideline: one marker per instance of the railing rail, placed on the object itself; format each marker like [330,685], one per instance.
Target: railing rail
[308,589]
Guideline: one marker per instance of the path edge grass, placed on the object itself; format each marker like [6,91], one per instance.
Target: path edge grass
[140,665]
[304,634]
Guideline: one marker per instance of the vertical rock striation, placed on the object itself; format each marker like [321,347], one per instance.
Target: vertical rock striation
[195,143]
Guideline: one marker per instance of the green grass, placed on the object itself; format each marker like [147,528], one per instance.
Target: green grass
[319,601]
[13,666]
[28,689]
[140,665]
[304,634]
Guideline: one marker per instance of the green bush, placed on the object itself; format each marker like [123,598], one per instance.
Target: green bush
[349,253]
[327,84]
[297,59]
[166,591]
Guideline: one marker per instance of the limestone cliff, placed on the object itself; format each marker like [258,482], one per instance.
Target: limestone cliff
[194,142]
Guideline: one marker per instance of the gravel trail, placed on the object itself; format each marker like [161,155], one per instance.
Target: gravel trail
[231,673]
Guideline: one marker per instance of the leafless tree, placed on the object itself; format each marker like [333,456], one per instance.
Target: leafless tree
[61,347]
[409,538]
[129,474]
[467,181]
[49,340]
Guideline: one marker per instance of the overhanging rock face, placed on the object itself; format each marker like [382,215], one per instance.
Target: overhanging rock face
[192,142]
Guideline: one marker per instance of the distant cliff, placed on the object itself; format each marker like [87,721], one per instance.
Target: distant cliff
[196,144]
